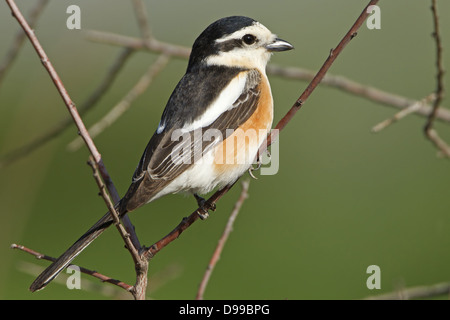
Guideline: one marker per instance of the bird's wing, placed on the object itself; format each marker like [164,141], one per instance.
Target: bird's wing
[172,150]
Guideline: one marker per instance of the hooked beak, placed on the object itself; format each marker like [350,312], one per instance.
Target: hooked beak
[279,45]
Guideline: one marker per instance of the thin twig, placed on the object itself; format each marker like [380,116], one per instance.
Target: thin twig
[104,85]
[152,45]
[334,53]
[19,39]
[151,251]
[440,143]
[419,292]
[125,235]
[439,66]
[91,285]
[430,132]
[134,247]
[116,112]
[65,96]
[403,113]
[223,239]
[358,89]
[141,16]
[56,80]
[92,273]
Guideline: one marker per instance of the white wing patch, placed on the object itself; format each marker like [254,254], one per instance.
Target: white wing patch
[223,103]
[161,127]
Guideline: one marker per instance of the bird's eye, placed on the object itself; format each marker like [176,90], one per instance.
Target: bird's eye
[249,39]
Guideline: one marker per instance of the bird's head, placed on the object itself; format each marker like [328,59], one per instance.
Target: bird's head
[236,41]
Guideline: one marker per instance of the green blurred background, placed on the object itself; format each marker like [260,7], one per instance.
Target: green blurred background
[343,199]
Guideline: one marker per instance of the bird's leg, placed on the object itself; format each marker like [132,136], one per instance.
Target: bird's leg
[204,206]
[258,166]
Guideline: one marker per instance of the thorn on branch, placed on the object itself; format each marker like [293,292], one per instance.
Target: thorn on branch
[331,52]
[298,103]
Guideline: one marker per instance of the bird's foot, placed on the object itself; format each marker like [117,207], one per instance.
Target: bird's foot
[204,206]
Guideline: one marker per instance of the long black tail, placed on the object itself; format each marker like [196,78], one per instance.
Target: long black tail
[66,258]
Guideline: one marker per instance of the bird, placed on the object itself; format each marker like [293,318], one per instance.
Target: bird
[211,128]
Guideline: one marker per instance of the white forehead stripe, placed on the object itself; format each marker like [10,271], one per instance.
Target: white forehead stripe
[257,29]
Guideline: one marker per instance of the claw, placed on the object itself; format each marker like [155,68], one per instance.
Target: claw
[204,206]
[258,165]
[252,168]
[203,215]
[250,172]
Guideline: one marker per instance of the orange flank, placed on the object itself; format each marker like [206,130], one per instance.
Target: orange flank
[241,146]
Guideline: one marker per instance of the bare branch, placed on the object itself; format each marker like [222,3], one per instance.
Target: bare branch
[439,66]
[443,147]
[104,85]
[150,252]
[420,292]
[116,112]
[403,113]
[358,89]
[334,53]
[92,273]
[223,239]
[139,44]
[19,39]
[125,235]
[431,133]
[56,79]
[141,16]
[113,292]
